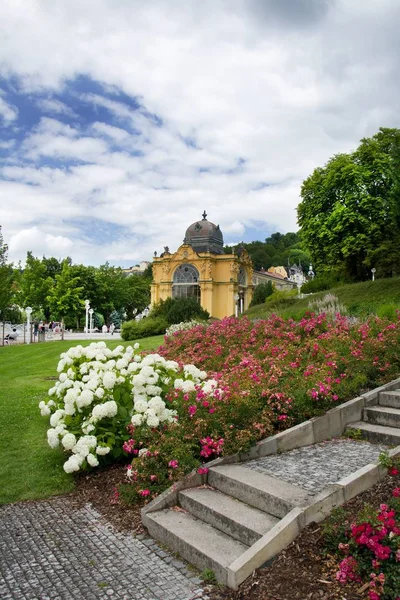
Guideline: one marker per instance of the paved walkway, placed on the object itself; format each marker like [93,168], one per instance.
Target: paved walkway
[316,467]
[51,550]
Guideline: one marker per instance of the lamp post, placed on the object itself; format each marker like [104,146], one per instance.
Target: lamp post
[87,306]
[373,271]
[91,311]
[28,311]
[236,298]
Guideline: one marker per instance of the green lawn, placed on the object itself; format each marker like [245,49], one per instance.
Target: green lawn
[29,468]
[359,299]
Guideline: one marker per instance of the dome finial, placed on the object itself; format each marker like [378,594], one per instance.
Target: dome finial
[204,215]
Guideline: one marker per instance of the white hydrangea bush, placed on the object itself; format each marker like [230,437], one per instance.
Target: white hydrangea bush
[100,392]
[183,326]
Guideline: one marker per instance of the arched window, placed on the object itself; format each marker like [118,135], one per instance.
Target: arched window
[242,279]
[186,282]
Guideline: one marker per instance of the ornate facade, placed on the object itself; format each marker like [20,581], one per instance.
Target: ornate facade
[222,283]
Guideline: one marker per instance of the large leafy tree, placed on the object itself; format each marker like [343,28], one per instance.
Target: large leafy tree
[349,214]
[65,299]
[36,282]
[110,286]
[137,294]
[6,280]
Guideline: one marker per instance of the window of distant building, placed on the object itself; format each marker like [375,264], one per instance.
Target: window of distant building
[186,282]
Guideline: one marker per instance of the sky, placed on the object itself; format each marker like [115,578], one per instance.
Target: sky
[121,121]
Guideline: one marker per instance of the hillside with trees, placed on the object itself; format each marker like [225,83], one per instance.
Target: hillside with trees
[278,249]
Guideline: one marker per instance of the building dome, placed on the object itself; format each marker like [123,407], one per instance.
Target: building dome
[204,236]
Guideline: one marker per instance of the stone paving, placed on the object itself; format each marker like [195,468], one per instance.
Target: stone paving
[315,467]
[52,550]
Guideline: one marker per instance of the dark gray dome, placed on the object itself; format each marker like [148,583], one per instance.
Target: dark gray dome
[204,236]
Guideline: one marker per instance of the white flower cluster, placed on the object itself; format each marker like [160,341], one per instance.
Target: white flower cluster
[95,382]
[184,326]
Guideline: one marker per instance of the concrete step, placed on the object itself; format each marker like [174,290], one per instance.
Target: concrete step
[197,542]
[378,433]
[241,521]
[390,399]
[383,415]
[269,494]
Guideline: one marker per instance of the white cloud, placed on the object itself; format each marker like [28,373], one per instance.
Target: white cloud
[8,113]
[57,107]
[282,84]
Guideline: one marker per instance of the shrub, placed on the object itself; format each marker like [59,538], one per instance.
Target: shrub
[329,304]
[176,310]
[320,283]
[369,547]
[102,395]
[261,293]
[134,330]
[281,298]
[184,326]
[388,311]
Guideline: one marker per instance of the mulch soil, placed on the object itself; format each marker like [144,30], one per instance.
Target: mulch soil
[300,572]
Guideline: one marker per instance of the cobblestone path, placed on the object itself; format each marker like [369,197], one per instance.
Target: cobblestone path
[51,550]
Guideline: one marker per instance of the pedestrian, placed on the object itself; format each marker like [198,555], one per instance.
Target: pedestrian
[112,327]
[104,329]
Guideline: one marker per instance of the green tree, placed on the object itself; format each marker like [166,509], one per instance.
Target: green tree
[66,296]
[261,293]
[349,213]
[36,285]
[136,294]
[7,290]
[110,290]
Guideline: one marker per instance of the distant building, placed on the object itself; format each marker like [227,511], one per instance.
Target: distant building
[296,274]
[280,282]
[137,269]
[200,269]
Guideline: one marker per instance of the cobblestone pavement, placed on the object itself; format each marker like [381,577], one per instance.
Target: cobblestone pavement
[315,467]
[51,550]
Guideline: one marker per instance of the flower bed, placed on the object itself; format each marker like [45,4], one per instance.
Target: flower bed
[302,368]
[246,381]
[369,546]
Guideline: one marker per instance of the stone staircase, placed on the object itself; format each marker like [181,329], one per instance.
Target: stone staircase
[215,524]
[235,518]
[381,423]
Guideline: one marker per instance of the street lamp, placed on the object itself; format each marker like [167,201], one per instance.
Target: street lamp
[236,298]
[373,271]
[28,311]
[87,306]
[91,311]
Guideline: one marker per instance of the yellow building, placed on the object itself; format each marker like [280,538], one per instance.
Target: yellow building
[221,282]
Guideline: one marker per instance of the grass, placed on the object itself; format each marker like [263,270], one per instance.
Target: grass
[360,299]
[29,468]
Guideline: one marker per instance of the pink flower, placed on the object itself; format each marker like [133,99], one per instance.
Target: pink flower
[396,492]
[202,470]
[173,464]
[144,493]
[192,410]
[153,478]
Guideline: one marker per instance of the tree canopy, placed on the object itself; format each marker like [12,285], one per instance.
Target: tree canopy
[6,280]
[350,209]
[278,249]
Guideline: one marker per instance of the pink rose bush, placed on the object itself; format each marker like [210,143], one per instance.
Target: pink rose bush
[372,551]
